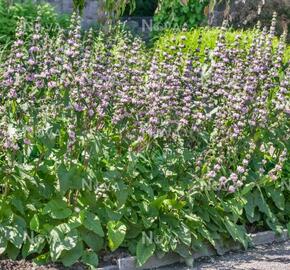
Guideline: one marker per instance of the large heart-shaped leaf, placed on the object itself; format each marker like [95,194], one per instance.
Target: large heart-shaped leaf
[94,241]
[57,209]
[15,235]
[91,259]
[69,257]
[62,238]
[34,223]
[116,234]
[144,251]
[91,222]
[33,244]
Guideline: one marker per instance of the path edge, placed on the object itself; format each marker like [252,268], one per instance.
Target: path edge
[257,239]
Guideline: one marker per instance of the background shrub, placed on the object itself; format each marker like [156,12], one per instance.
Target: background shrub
[10,14]
[174,14]
[208,38]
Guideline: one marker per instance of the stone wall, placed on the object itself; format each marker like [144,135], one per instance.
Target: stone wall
[246,13]
[239,13]
[92,13]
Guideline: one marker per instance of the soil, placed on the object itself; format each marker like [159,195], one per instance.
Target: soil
[106,259]
[26,265]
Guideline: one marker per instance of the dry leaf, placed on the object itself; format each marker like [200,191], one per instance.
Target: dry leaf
[184,2]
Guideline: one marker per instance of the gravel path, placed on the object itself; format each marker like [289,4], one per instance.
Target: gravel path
[271,257]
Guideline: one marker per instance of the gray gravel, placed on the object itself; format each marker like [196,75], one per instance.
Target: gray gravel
[268,257]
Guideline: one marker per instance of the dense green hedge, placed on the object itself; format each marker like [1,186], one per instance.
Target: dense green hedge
[208,38]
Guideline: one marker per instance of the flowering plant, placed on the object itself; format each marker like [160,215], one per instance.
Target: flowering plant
[103,141]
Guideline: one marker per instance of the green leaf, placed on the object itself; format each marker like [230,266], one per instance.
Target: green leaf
[144,251]
[206,234]
[91,259]
[34,223]
[122,196]
[57,209]
[94,241]
[15,235]
[277,197]
[62,238]
[183,251]
[91,222]
[264,207]
[184,234]
[42,259]
[157,203]
[116,234]
[3,244]
[33,245]
[288,228]
[12,251]
[18,205]
[69,257]
[247,188]
[250,207]
[74,222]
[237,232]
[64,178]
[71,178]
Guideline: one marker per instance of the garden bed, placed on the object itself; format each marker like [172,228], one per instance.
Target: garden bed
[108,146]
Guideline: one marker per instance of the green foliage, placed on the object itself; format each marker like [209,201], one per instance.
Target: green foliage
[147,8]
[79,5]
[10,14]
[178,223]
[117,8]
[206,38]
[144,7]
[176,14]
